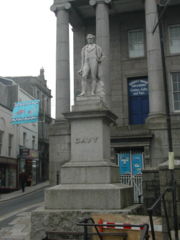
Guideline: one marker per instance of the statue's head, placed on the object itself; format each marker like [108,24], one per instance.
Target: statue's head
[90,38]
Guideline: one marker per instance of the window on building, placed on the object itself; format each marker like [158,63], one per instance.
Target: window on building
[38,94]
[43,103]
[1,141]
[10,140]
[33,142]
[176,90]
[174,39]
[24,138]
[136,43]
[47,106]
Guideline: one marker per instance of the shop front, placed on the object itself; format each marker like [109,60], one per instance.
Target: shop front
[8,174]
[29,161]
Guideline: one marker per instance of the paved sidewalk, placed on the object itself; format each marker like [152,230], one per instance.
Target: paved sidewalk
[19,193]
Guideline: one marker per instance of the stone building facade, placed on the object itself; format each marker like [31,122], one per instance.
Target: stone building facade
[133,69]
[138,78]
[8,151]
[135,91]
[37,87]
[15,139]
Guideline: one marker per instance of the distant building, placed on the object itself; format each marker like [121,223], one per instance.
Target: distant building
[15,140]
[28,145]
[37,87]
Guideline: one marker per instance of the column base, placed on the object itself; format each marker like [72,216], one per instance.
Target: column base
[156,120]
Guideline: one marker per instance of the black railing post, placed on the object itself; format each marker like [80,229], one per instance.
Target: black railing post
[151,224]
[166,216]
[85,229]
[175,217]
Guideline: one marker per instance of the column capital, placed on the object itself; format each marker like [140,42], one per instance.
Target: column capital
[60,6]
[94,2]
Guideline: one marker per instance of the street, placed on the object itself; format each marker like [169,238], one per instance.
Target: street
[10,208]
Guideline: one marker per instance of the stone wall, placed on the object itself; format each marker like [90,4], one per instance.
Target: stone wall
[155,182]
[151,189]
[165,181]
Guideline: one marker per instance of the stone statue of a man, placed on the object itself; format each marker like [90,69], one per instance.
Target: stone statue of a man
[91,58]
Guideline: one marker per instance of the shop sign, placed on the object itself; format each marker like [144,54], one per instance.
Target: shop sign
[25,112]
[124,163]
[33,153]
[138,87]
[24,152]
[137,163]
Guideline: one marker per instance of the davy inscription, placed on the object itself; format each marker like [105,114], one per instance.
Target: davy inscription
[86,140]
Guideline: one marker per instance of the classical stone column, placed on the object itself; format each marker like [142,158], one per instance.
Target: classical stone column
[154,60]
[103,40]
[62,58]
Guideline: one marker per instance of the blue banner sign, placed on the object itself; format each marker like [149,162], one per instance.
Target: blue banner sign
[137,163]
[25,112]
[138,87]
[124,163]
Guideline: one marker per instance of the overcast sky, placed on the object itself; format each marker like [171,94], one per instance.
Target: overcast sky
[28,39]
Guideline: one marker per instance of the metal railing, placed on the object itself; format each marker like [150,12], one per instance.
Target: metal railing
[86,223]
[150,210]
[136,183]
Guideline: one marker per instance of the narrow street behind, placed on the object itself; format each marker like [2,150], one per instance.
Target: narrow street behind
[15,210]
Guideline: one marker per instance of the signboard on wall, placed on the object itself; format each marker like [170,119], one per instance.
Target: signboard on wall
[124,163]
[25,112]
[138,100]
[138,87]
[130,163]
[137,163]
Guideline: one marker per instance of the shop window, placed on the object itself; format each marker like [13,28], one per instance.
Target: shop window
[176,90]
[10,139]
[1,141]
[47,106]
[38,94]
[174,39]
[43,103]
[136,43]
[24,138]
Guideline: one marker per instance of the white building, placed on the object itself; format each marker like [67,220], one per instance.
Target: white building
[8,150]
[28,142]
[18,143]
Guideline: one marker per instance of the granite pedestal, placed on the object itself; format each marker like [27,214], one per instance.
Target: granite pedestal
[89,181]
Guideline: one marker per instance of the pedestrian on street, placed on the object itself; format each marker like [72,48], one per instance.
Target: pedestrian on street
[23,180]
